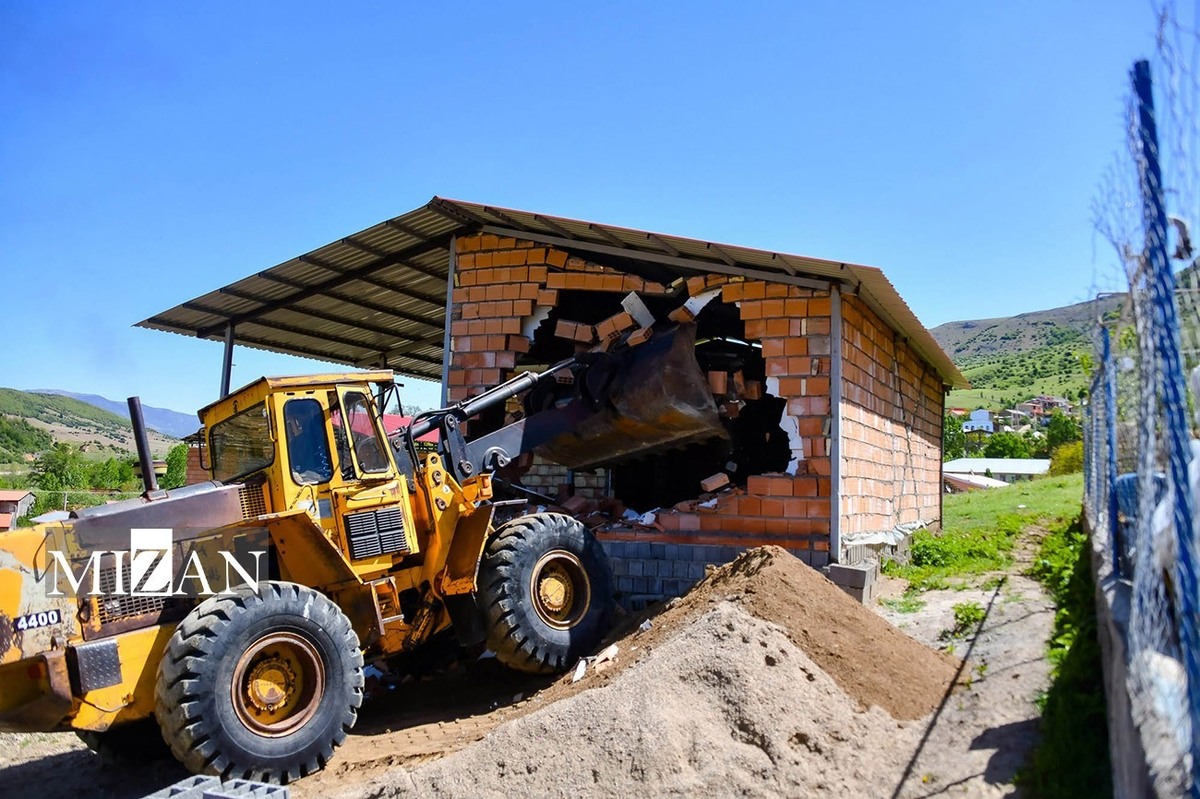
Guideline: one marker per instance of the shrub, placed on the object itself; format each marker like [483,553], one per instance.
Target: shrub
[1067,459]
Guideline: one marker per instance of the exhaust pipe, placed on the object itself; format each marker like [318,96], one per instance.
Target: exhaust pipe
[143,444]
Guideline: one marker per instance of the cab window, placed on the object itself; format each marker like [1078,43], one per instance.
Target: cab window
[242,444]
[369,450]
[307,446]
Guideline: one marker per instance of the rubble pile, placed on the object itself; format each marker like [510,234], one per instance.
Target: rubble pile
[764,680]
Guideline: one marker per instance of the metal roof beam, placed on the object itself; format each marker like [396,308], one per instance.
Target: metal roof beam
[299,331]
[337,320]
[374,281]
[557,228]
[455,212]
[692,264]
[325,286]
[607,236]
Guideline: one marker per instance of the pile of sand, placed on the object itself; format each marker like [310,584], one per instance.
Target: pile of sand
[765,680]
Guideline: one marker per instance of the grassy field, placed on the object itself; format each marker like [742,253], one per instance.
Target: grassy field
[980,528]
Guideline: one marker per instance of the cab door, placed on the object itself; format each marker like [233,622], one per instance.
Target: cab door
[371,507]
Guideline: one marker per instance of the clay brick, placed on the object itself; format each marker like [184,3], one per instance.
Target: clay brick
[529,291]
[754,290]
[776,291]
[465,261]
[483,259]
[547,297]
[695,285]
[795,346]
[795,307]
[457,377]
[718,382]
[639,336]
[612,283]
[774,347]
[758,484]
[756,329]
[749,506]
[651,287]
[489,241]
[772,506]
[820,306]
[819,326]
[522,307]
[682,315]
[732,292]
[818,386]
[556,258]
[536,274]
[777,367]
[780,486]
[466,278]
[466,243]
[506,359]
[753,390]
[459,329]
[718,480]
[751,309]
[777,327]
[804,487]
[811,426]
[517,343]
[509,326]
[772,308]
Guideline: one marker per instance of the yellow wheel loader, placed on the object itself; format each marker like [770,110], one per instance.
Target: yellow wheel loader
[235,614]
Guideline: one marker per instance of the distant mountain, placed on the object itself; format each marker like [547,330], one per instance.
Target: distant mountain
[30,421]
[1011,359]
[168,422]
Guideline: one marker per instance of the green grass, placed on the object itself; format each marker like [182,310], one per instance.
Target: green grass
[1072,756]
[980,528]
[1002,380]
[908,603]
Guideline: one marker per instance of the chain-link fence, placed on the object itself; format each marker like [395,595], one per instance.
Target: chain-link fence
[1142,455]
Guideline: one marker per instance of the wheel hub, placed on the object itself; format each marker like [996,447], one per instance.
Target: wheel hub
[271,682]
[277,684]
[560,589]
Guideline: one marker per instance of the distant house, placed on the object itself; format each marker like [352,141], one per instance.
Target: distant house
[1039,409]
[1010,470]
[14,503]
[980,422]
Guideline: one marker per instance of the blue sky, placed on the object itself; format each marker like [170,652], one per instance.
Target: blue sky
[151,152]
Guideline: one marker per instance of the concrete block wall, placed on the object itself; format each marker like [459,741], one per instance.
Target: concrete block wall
[891,427]
[647,571]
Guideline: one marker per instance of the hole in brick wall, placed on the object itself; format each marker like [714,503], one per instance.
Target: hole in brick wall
[757,443]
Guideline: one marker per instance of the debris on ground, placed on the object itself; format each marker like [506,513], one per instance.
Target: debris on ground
[765,679]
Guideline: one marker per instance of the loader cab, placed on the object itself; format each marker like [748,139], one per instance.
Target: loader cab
[316,444]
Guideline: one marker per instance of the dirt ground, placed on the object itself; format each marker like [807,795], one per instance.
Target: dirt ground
[744,687]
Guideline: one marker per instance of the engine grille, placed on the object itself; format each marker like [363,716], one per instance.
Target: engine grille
[254,504]
[113,607]
[378,532]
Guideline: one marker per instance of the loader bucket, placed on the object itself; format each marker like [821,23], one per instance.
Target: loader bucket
[658,399]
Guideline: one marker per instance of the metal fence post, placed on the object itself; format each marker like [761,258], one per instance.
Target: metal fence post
[1110,429]
[1162,292]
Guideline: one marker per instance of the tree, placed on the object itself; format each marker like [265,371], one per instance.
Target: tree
[1006,445]
[176,467]
[954,441]
[59,468]
[1062,429]
[1067,459]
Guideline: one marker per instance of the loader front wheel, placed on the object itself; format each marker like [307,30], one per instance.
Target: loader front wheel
[260,685]
[546,588]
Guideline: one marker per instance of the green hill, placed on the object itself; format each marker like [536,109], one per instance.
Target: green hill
[1011,359]
[30,422]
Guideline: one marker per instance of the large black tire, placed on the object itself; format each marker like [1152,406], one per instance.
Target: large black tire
[546,589]
[260,686]
[130,743]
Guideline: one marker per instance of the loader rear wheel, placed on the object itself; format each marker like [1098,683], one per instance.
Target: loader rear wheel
[546,587]
[260,685]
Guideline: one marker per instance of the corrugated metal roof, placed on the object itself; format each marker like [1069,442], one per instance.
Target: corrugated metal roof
[377,297]
[1026,466]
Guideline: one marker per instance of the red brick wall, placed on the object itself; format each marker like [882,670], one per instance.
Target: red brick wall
[891,428]
[891,401]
